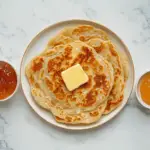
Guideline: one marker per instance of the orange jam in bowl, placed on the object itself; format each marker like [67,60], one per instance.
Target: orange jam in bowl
[144,88]
[8,80]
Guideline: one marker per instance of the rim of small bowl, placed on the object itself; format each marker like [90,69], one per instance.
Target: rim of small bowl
[10,96]
[138,95]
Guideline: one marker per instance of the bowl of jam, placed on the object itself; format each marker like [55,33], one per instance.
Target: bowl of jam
[8,81]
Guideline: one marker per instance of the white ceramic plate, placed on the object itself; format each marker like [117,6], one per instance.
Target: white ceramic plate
[37,45]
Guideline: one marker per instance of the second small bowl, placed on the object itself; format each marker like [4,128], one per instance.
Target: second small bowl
[138,94]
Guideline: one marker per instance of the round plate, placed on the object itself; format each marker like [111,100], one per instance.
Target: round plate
[38,44]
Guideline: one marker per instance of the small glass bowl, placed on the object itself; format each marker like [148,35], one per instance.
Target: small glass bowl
[138,94]
[10,96]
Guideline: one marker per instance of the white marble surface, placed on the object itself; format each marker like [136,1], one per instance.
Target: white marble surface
[20,20]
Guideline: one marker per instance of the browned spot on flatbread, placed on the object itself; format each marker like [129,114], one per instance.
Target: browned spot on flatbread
[112,103]
[37,85]
[100,48]
[82,38]
[58,118]
[84,57]
[67,53]
[77,118]
[90,98]
[117,71]
[100,81]
[68,119]
[112,49]
[85,68]
[31,79]
[94,113]
[51,64]
[42,73]
[59,93]
[82,29]
[48,83]
[37,64]
[88,84]
[87,53]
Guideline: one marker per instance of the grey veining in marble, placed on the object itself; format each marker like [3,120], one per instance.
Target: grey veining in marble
[20,20]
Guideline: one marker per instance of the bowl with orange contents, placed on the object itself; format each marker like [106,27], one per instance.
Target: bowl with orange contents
[143,90]
[8,81]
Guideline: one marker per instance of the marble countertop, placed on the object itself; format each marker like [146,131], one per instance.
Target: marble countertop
[20,20]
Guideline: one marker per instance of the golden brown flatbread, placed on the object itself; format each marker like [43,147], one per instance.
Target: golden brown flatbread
[99,40]
[83,105]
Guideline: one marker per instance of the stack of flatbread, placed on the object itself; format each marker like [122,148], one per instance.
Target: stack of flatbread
[106,67]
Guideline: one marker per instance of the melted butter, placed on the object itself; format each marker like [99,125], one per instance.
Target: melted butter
[145,88]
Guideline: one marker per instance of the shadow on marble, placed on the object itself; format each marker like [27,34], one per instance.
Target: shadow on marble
[71,136]
[143,110]
[48,125]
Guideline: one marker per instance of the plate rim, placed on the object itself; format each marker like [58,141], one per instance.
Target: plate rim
[86,21]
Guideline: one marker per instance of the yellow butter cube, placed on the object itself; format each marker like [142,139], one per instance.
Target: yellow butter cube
[74,77]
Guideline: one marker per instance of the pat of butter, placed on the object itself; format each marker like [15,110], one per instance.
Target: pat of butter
[74,77]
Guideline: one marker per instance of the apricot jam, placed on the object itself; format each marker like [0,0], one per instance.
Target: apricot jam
[145,88]
[8,80]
